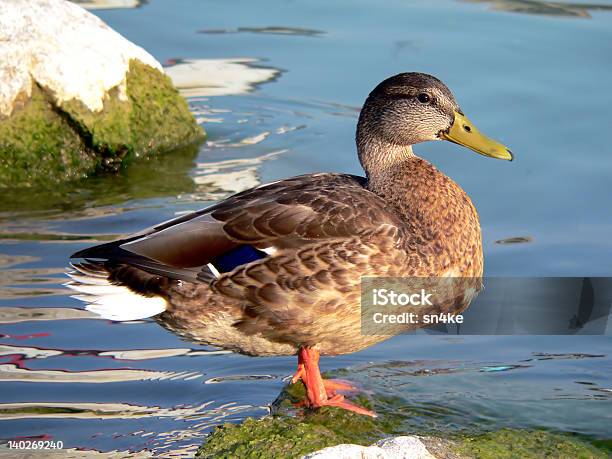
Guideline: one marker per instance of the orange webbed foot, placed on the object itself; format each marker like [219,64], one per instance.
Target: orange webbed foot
[341,402]
[322,392]
[334,385]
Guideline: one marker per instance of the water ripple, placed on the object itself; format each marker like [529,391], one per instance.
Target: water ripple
[11,315]
[15,373]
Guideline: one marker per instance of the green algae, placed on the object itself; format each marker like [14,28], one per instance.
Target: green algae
[38,144]
[267,438]
[515,443]
[42,144]
[155,117]
[144,178]
[292,432]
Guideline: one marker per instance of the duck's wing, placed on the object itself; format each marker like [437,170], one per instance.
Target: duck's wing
[251,225]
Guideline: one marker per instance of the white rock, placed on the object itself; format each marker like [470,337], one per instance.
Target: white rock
[405,447]
[63,48]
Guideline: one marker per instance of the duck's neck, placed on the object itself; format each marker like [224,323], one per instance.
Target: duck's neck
[379,157]
[437,213]
[383,163]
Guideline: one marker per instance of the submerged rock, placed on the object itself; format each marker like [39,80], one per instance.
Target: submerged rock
[76,97]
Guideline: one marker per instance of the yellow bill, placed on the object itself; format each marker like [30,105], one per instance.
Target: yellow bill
[463,132]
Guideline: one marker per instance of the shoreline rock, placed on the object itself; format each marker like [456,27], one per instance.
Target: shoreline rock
[77,98]
[334,433]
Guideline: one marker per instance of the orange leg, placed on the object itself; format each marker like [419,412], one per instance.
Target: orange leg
[301,371]
[331,385]
[320,392]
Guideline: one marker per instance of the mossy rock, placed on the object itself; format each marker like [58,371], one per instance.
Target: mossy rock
[154,176]
[525,444]
[291,432]
[42,144]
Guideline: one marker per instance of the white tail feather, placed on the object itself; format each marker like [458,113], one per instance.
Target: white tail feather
[88,280]
[113,302]
[78,269]
[98,290]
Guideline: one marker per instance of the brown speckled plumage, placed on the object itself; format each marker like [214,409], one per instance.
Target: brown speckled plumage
[323,233]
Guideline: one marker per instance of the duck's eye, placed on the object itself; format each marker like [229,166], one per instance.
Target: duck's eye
[424,98]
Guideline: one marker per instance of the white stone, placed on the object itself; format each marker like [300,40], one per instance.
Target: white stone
[63,48]
[405,447]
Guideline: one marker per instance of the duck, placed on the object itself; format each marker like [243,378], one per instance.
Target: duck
[277,269]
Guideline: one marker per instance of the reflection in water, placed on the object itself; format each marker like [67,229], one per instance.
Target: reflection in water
[18,283]
[108,4]
[201,419]
[515,240]
[239,378]
[20,353]
[30,276]
[7,261]
[253,140]
[577,10]
[502,368]
[454,400]
[12,372]
[26,353]
[112,410]
[268,30]
[162,175]
[57,237]
[144,354]
[74,453]
[218,77]
[13,293]
[217,179]
[573,356]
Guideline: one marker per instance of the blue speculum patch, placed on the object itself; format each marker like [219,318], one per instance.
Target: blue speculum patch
[238,256]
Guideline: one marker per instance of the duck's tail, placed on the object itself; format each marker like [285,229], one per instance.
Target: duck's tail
[106,297]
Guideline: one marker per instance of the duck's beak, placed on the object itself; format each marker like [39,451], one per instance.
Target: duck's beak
[463,132]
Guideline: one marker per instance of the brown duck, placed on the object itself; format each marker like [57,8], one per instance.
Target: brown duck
[276,270]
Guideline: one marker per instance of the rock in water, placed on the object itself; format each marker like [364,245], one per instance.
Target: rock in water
[76,97]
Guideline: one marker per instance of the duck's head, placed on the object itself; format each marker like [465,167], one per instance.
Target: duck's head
[410,108]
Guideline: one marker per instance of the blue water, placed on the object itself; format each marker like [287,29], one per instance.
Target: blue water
[534,75]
